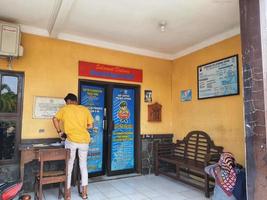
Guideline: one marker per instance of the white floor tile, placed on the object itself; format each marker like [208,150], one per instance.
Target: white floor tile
[193,194]
[138,197]
[149,192]
[110,192]
[127,190]
[120,198]
[135,188]
[163,197]
[96,196]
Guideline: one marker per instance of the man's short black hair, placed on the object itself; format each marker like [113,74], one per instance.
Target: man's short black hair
[71,97]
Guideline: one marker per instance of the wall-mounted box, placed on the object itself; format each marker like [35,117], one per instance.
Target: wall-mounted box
[154,112]
[9,39]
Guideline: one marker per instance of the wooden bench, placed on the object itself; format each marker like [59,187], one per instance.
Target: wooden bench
[186,159]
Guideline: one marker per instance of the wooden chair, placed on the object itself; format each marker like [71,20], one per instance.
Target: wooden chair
[48,177]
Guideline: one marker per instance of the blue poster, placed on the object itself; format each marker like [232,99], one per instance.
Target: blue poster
[122,144]
[186,95]
[93,98]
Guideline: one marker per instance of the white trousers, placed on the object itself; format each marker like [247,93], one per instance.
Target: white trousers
[82,152]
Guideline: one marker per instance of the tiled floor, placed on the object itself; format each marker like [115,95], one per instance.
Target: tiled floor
[148,187]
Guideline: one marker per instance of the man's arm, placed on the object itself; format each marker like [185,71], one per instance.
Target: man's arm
[89,126]
[56,123]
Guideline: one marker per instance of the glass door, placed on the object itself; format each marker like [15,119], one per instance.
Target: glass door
[114,146]
[93,97]
[122,131]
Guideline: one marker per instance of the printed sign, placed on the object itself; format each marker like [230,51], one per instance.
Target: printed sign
[46,107]
[122,147]
[219,78]
[186,95]
[96,70]
[93,98]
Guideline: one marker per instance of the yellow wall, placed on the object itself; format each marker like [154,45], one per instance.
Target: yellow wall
[51,69]
[221,118]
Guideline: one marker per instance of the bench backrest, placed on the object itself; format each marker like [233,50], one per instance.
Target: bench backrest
[195,146]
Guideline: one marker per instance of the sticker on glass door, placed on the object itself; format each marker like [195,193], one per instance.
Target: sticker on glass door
[93,98]
[122,144]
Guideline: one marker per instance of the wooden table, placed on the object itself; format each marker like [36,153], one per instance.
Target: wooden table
[29,152]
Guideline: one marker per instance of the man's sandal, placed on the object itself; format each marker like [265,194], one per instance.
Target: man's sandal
[84,192]
[68,194]
[84,196]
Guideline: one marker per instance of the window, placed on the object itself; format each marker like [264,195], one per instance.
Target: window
[11,87]
[7,139]
[9,94]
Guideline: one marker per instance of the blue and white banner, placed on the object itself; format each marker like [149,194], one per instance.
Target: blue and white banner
[122,145]
[219,78]
[93,98]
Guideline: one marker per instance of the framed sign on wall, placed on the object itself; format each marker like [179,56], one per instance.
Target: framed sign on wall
[46,107]
[218,78]
[148,96]
[186,95]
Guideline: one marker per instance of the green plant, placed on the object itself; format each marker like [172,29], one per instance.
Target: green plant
[8,99]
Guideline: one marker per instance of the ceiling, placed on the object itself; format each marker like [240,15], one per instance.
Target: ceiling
[129,25]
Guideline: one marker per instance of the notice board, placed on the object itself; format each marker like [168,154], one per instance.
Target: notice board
[46,107]
[218,78]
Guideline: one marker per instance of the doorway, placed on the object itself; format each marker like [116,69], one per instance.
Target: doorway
[114,147]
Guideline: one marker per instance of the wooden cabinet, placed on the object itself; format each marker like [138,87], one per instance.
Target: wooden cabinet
[154,112]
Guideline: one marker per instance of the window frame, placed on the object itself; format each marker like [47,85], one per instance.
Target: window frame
[16,116]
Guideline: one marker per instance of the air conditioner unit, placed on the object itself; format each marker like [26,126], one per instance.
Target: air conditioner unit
[10,40]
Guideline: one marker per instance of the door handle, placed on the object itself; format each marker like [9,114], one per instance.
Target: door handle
[111,128]
[112,125]
[105,125]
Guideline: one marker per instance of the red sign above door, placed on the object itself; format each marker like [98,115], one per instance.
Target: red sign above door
[96,70]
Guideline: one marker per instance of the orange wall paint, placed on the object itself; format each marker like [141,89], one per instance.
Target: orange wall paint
[51,69]
[221,118]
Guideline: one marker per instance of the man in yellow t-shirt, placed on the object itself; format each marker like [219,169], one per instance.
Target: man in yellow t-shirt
[76,120]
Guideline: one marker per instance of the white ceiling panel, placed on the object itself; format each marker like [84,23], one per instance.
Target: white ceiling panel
[135,23]
[129,23]
[36,13]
